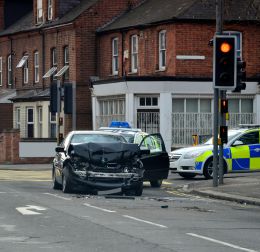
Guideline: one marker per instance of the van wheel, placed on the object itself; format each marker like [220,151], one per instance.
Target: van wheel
[208,169]
[187,175]
[156,183]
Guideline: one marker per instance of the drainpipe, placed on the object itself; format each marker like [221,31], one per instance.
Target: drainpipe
[12,72]
[123,49]
[41,32]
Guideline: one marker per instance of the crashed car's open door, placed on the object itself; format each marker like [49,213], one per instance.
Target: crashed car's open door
[156,163]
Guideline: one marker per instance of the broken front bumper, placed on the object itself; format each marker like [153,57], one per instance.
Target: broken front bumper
[102,180]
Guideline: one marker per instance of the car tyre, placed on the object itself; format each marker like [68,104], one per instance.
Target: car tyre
[55,184]
[208,169]
[66,187]
[187,175]
[139,190]
[156,183]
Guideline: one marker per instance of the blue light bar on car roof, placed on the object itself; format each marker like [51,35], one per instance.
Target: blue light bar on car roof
[119,124]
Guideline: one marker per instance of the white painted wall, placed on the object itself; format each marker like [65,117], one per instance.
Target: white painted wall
[37,149]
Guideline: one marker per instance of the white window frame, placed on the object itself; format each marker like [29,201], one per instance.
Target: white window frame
[162,50]
[25,72]
[27,120]
[17,118]
[52,122]
[36,66]
[148,97]
[54,61]
[39,11]
[50,10]
[39,121]
[1,71]
[115,54]
[134,54]
[9,70]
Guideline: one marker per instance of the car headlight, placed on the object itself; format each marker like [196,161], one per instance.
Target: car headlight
[193,154]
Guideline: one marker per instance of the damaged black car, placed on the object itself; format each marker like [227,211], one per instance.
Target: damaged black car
[98,161]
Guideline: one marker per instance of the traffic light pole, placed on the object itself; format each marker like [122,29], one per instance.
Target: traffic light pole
[219,28]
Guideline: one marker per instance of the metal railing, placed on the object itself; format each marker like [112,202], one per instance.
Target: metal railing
[184,125]
[148,121]
[105,120]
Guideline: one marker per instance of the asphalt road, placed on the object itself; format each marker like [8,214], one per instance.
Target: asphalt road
[35,217]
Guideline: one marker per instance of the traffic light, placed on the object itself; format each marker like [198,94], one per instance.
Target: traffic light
[223,133]
[224,106]
[241,76]
[225,62]
[54,97]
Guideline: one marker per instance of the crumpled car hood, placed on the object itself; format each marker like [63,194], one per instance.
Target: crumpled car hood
[102,153]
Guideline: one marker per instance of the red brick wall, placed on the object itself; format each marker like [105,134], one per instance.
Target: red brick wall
[181,39]
[1,15]
[6,115]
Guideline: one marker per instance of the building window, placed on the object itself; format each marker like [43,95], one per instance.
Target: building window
[23,63]
[49,9]
[54,62]
[25,72]
[148,101]
[17,118]
[39,11]
[39,122]
[65,69]
[53,125]
[162,50]
[1,71]
[9,70]
[30,123]
[134,53]
[115,56]
[239,41]
[36,66]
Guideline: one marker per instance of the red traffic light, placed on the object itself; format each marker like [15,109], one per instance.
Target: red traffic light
[223,133]
[224,106]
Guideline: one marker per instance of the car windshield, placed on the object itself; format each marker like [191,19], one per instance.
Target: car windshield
[129,137]
[231,135]
[97,138]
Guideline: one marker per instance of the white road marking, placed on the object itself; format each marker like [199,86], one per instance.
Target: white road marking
[8,228]
[58,196]
[221,242]
[27,210]
[99,208]
[145,221]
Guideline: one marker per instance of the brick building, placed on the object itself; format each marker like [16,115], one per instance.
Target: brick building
[53,42]
[155,68]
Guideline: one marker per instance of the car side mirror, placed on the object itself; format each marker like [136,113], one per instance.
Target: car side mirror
[237,143]
[60,149]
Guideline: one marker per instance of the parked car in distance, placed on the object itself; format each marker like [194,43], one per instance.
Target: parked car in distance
[241,154]
[97,161]
[156,164]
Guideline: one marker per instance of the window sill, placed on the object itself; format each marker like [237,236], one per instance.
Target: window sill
[132,73]
[160,70]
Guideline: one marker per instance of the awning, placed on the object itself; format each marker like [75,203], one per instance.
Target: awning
[50,72]
[22,61]
[62,71]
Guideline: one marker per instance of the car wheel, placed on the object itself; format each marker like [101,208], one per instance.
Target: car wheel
[156,183]
[187,175]
[55,184]
[66,188]
[208,169]
[139,190]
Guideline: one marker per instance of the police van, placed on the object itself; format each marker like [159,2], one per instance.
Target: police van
[241,154]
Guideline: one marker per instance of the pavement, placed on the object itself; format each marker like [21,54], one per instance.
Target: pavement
[243,188]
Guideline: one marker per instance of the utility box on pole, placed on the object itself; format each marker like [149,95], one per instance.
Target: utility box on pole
[225,62]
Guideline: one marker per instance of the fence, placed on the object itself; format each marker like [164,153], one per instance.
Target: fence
[184,125]
[148,121]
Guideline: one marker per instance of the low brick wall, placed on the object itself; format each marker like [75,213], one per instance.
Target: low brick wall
[9,150]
